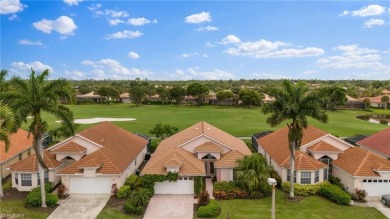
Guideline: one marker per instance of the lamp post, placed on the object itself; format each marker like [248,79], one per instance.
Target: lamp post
[272,182]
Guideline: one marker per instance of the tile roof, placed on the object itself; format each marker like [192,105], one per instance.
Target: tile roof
[229,160]
[120,147]
[323,146]
[377,99]
[19,143]
[30,163]
[277,146]
[209,147]
[91,163]
[124,95]
[191,164]
[379,142]
[304,162]
[359,162]
[70,147]
[349,98]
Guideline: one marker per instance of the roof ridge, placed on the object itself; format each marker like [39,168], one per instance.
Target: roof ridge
[362,162]
[47,158]
[115,167]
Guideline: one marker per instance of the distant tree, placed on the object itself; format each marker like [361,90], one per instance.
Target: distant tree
[236,90]
[366,102]
[84,89]
[108,92]
[199,91]
[177,94]
[333,96]
[249,97]
[385,99]
[163,131]
[138,91]
[163,93]
[3,82]
[225,96]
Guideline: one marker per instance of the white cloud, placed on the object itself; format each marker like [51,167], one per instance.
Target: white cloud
[195,73]
[272,76]
[30,43]
[37,66]
[374,22]
[126,34]
[63,25]
[11,6]
[192,54]
[354,57]
[134,55]
[268,49]
[370,10]
[230,39]
[114,22]
[13,17]
[112,69]
[95,7]
[72,2]
[310,72]
[208,44]
[185,55]
[198,18]
[140,21]
[207,28]
[75,75]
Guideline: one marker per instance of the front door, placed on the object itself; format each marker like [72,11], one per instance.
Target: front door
[209,166]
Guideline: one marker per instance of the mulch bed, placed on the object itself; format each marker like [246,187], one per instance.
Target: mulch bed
[296,198]
[117,203]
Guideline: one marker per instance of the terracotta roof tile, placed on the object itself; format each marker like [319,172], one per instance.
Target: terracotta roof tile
[30,164]
[277,146]
[20,141]
[124,95]
[209,147]
[379,142]
[70,147]
[229,160]
[359,162]
[90,163]
[304,162]
[324,146]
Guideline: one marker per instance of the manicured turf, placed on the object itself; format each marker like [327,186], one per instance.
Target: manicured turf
[236,121]
[16,209]
[310,207]
[113,213]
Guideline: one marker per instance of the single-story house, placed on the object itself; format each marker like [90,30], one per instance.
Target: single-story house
[125,98]
[352,103]
[200,150]
[378,143]
[90,96]
[21,147]
[267,99]
[377,101]
[322,155]
[92,161]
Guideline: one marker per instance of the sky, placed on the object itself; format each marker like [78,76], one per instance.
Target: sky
[201,40]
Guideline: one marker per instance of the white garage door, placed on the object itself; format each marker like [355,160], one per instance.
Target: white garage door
[93,185]
[182,187]
[375,187]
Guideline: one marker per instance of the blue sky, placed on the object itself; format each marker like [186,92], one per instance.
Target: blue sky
[206,40]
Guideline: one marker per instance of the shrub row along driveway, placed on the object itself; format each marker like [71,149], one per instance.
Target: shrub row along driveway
[170,206]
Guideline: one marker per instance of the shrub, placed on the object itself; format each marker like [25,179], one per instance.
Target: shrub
[225,186]
[34,198]
[383,121]
[360,193]
[256,195]
[210,210]
[123,192]
[336,181]
[132,208]
[335,194]
[303,189]
[114,189]
[198,184]
[61,190]
[133,181]
[278,179]
[204,198]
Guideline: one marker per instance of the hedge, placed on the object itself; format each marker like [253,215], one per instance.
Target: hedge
[303,189]
[198,185]
[335,194]
[124,192]
[34,198]
[132,208]
[211,210]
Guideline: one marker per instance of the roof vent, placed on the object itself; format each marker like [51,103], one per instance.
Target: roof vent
[196,128]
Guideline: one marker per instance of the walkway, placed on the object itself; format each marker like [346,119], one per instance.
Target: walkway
[170,206]
[209,187]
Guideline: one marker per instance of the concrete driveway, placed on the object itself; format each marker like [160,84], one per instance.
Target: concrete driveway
[376,203]
[80,206]
[170,206]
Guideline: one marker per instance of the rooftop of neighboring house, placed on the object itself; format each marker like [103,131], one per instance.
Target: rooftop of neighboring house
[20,141]
[379,142]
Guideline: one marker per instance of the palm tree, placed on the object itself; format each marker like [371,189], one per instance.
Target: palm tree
[31,97]
[295,103]
[141,196]
[385,99]
[7,124]
[253,173]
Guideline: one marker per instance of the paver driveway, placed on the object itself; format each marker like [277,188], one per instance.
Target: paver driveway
[80,206]
[376,203]
[170,207]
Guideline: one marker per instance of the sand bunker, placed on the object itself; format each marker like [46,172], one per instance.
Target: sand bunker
[96,120]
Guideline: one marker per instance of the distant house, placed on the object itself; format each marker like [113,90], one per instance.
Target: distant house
[385,92]
[125,98]
[90,96]
[377,101]
[322,155]
[378,143]
[352,103]
[21,147]
[92,161]
[199,150]
[267,99]
[154,98]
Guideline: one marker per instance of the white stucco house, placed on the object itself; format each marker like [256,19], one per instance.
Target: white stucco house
[322,155]
[200,150]
[92,161]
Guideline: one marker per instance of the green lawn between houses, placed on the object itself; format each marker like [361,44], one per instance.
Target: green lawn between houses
[240,122]
[16,209]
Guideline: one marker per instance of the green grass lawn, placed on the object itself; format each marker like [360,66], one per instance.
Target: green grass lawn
[113,213]
[310,207]
[236,121]
[16,209]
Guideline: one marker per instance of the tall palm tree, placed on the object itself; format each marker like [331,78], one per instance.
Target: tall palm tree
[295,103]
[7,124]
[31,97]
